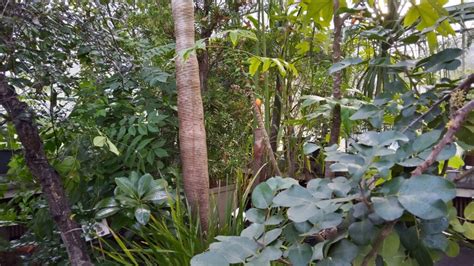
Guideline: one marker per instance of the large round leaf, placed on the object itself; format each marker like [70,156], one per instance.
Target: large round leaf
[362,232]
[300,254]
[262,196]
[294,196]
[302,213]
[425,196]
[390,245]
[210,258]
[345,250]
[388,208]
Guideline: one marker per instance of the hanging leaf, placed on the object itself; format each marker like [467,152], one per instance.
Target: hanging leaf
[343,64]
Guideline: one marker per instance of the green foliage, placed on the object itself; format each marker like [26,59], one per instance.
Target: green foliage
[135,194]
[356,212]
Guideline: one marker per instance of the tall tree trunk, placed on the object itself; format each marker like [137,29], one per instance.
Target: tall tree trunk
[49,179]
[276,115]
[192,134]
[337,81]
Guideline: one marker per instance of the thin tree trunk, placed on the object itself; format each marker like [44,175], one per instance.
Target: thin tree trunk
[276,115]
[337,81]
[49,179]
[192,134]
[258,155]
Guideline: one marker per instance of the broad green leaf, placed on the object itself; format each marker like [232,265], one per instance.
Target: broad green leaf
[302,213]
[387,207]
[254,64]
[318,251]
[422,202]
[253,231]
[321,11]
[453,249]
[267,255]
[262,196]
[294,196]
[362,232]
[144,184]
[436,241]
[210,258]
[468,230]
[372,138]
[411,162]
[278,183]
[345,250]
[324,221]
[106,212]
[106,203]
[411,16]
[235,249]
[469,211]
[309,148]
[360,210]
[270,236]
[142,214]
[390,245]
[274,219]
[255,215]
[125,185]
[426,140]
[344,64]
[300,254]
[156,195]
[435,226]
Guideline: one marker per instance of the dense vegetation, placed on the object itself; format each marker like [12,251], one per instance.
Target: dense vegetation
[336,121]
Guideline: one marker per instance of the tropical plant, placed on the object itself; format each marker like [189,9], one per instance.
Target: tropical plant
[136,196]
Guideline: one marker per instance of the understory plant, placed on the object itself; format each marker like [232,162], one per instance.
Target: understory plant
[389,202]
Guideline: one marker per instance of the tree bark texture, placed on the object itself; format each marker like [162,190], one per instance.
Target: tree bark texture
[337,81]
[192,134]
[47,176]
[258,155]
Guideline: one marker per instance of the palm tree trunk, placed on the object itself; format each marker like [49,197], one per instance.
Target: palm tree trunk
[192,134]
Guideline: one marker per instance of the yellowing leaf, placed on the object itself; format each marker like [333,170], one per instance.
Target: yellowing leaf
[254,64]
[112,147]
[266,64]
[99,141]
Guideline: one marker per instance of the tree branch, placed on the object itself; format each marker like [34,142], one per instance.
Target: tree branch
[260,123]
[453,126]
[386,230]
[47,176]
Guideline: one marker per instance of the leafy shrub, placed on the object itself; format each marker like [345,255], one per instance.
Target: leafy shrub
[379,212]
